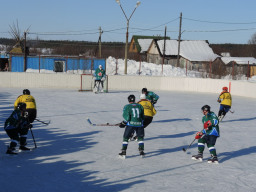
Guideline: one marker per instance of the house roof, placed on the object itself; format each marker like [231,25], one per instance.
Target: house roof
[239,60]
[142,43]
[192,50]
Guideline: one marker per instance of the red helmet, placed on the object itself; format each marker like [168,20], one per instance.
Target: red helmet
[225,89]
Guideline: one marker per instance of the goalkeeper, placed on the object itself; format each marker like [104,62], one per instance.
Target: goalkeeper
[100,77]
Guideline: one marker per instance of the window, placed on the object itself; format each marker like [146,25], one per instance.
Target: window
[59,66]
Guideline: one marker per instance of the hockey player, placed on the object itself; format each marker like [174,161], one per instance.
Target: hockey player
[150,95]
[16,127]
[208,136]
[133,114]
[30,104]
[149,111]
[225,101]
[99,79]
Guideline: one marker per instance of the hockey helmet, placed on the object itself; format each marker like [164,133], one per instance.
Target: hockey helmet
[206,108]
[224,88]
[143,96]
[131,98]
[26,92]
[100,66]
[22,106]
[144,90]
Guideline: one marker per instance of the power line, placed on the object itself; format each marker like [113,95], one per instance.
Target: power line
[223,30]
[152,29]
[220,22]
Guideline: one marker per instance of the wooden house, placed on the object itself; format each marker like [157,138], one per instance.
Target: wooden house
[234,66]
[139,46]
[195,55]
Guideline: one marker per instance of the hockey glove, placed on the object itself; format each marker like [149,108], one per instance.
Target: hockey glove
[122,124]
[207,124]
[198,135]
[154,102]
[219,100]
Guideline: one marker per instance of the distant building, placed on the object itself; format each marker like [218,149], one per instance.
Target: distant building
[196,55]
[235,66]
[139,46]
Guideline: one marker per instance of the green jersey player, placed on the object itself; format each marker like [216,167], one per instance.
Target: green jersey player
[133,114]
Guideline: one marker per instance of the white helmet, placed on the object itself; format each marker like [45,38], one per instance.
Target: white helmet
[100,66]
[142,96]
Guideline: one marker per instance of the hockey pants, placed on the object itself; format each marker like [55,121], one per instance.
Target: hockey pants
[17,135]
[129,132]
[210,141]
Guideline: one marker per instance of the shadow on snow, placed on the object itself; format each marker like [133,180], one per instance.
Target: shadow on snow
[45,164]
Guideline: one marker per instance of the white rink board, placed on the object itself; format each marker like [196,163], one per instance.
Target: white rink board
[122,82]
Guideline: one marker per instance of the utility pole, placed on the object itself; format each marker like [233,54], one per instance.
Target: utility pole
[178,56]
[127,32]
[100,42]
[25,52]
[164,50]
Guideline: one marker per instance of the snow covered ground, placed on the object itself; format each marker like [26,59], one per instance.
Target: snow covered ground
[74,156]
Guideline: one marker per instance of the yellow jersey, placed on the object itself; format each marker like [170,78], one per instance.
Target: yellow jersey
[149,109]
[28,99]
[225,98]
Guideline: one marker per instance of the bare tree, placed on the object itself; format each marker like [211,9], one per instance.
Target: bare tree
[253,39]
[17,35]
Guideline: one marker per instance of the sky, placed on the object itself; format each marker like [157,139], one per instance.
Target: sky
[229,21]
[73,156]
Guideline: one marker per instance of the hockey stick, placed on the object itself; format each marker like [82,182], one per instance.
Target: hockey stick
[104,124]
[33,137]
[46,123]
[232,111]
[191,143]
[188,146]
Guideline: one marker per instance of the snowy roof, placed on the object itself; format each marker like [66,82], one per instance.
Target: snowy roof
[141,40]
[144,44]
[191,50]
[239,60]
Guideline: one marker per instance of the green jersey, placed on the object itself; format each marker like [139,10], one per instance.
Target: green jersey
[133,113]
[152,97]
[99,73]
[214,129]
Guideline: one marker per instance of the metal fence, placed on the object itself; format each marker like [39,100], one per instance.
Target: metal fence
[54,64]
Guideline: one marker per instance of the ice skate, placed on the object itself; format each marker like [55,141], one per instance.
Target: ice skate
[213,160]
[142,154]
[198,157]
[220,118]
[23,148]
[122,155]
[11,151]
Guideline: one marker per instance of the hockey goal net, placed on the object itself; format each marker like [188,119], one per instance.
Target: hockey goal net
[87,83]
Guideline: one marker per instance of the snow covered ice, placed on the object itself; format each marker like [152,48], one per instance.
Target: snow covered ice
[74,156]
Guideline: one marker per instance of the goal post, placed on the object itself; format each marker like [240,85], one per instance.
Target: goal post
[87,83]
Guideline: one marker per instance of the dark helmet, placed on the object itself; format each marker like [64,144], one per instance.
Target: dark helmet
[144,90]
[206,108]
[22,106]
[26,92]
[131,98]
